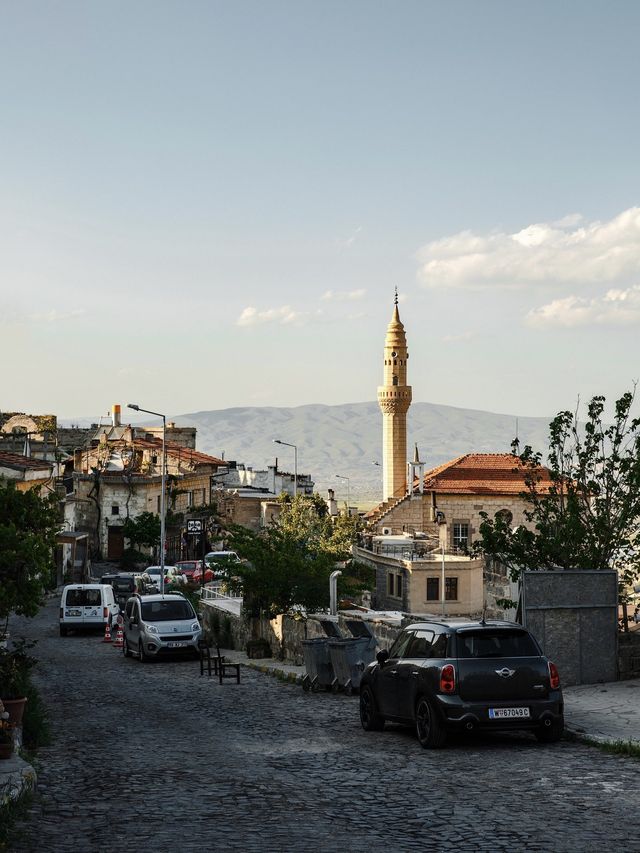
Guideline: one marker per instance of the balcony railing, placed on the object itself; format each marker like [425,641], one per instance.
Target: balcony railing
[413,550]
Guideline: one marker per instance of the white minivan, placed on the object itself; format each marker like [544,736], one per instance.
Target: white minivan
[87,605]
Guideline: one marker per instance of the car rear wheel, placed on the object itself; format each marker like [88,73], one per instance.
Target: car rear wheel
[430,731]
[552,733]
[144,658]
[369,716]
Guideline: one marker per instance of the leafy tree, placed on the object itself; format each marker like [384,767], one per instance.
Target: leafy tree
[28,526]
[143,530]
[289,563]
[589,516]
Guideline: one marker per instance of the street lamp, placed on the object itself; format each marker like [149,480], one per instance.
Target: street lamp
[295,463]
[137,408]
[341,477]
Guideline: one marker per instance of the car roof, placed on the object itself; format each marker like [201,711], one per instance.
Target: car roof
[465,625]
[177,596]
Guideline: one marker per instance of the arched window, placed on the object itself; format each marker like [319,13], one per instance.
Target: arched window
[395,380]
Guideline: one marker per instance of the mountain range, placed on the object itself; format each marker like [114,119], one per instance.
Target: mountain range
[347,439]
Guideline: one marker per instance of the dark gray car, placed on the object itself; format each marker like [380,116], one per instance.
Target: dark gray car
[444,676]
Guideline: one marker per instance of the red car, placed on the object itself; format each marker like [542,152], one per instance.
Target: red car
[196,577]
[189,568]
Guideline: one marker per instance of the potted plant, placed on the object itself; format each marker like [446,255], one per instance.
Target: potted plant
[6,734]
[15,664]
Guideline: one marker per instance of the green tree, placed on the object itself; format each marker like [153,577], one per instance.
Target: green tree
[143,530]
[289,563]
[28,526]
[589,516]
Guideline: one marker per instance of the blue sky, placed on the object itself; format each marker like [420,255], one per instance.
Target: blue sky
[209,204]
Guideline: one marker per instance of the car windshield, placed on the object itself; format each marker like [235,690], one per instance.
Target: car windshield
[124,584]
[153,571]
[166,611]
[496,644]
[187,567]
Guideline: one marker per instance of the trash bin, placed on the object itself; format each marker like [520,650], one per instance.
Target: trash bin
[350,658]
[317,661]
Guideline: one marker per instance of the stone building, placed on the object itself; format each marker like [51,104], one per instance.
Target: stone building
[27,472]
[118,475]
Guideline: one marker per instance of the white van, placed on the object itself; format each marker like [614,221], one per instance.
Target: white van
[87,605]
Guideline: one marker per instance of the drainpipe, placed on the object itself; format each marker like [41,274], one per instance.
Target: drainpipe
[333,592]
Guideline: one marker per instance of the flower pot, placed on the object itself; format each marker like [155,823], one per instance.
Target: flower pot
[6,750]
[15,708]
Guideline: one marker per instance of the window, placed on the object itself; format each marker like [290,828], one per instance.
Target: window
[395,380]
[496,644]
[460,534]
[420,645]
[115,509]
[390,583]
[399,648]
[158,503]
[154,460]
[189,498]
[399,586]
[433,589]
[451,589]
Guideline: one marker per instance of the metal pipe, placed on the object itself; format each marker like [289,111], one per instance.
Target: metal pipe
[333,592]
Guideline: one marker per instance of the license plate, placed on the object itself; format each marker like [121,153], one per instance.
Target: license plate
[176,645]
[73,613]
[506,713]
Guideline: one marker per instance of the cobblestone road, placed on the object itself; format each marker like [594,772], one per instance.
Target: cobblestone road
[154,758]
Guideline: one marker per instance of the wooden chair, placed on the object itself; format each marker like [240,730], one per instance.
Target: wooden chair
[221,667]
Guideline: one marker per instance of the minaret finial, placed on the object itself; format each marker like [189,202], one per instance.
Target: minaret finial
[395,301]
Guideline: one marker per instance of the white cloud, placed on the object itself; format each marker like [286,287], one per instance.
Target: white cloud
[562,251]
[283,315]
[344,295]
[615,308]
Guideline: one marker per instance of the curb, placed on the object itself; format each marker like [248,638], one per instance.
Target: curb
[276,672]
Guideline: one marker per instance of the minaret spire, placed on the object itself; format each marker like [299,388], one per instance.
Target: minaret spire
[394,399]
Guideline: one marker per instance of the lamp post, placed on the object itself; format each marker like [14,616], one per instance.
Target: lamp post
[137,408]
[295,463]
[342,477]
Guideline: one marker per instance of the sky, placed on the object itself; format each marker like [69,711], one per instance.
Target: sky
[206,205]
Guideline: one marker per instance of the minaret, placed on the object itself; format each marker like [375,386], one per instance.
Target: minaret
[394,399]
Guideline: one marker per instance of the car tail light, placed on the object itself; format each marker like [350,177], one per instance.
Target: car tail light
[554,676]
[448,679]
[61,612]
[105,612]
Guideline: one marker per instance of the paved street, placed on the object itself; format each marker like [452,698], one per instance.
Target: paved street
[154,758]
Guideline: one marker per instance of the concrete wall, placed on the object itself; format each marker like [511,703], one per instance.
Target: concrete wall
[574,615]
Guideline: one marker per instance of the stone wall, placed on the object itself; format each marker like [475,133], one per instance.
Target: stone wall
[629,655]
[284,633]
[574,615]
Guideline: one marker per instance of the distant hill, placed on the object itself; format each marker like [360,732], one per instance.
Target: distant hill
[347,439]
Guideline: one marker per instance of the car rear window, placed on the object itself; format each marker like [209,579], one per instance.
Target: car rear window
[166,611]
[83,598]
[496,644]
[124,584]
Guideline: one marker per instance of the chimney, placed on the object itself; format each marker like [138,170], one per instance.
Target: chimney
[115,415]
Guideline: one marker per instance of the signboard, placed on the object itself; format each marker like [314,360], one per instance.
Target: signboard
[194,525]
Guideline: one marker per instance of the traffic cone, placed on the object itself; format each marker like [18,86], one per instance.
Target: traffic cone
[107,634]
[119,641]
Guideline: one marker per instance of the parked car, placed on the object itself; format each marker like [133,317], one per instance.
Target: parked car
[221,558]
[89,605]
[160,625]
[123,585]
[188,567]
[446,676]
[209,575]
[171,575]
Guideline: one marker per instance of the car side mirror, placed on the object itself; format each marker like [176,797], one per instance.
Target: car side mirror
[382,656]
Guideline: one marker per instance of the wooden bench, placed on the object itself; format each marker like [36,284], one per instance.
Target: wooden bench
[221,667]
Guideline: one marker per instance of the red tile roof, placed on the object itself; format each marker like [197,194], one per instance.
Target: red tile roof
[16,460]
[483,474]
[184,453]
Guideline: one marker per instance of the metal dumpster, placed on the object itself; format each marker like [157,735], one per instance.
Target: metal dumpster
[350,658]
[317,661]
